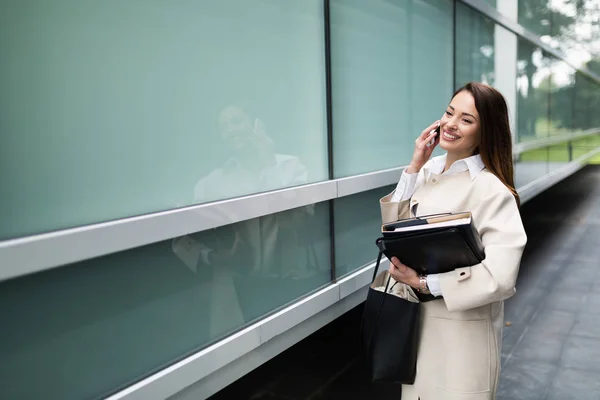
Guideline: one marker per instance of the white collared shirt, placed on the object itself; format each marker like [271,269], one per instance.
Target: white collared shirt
[408,182]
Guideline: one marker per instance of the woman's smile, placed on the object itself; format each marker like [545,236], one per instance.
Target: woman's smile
[450,137]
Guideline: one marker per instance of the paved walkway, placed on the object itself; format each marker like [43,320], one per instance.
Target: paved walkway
[551,350]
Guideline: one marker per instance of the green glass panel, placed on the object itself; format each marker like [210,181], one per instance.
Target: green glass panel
[535,16]
[475,47]
[391,78]
[357,226]
[533,92]
[86,330]
[113,108]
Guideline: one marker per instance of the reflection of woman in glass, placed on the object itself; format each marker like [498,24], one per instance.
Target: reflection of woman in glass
[257,264]
[461,329]
[253,165]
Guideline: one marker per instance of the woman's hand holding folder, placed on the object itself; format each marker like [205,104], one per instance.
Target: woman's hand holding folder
[404,274]
[432,244]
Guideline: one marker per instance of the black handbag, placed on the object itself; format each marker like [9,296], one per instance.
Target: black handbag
[389,332]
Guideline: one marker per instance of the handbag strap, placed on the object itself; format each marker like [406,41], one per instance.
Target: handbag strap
[360,336]
[387,284]
[376,266]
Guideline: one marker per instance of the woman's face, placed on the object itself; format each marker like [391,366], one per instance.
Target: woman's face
[235,127]
[460,126]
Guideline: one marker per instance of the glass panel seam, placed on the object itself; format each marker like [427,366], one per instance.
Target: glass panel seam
[329,118]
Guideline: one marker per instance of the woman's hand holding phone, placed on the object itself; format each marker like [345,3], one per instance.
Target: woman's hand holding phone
[424,146]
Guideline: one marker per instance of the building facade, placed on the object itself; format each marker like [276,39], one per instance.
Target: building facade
[191,187]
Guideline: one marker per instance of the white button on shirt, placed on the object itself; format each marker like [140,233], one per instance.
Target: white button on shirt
[408,183]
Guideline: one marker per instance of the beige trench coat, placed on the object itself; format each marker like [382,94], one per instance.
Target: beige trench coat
[461,335]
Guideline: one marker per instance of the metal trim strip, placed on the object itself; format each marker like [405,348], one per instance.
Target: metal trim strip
[203,365]
[546,142]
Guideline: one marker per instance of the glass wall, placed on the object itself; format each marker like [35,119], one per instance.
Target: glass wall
[562,101]
[585,114]
[547,102]
[112,109]
[357,226]
[85,330]
[391,78]
[587,103]
[570,26]
[562,98]
[575,30]
[536,16]
[533,110]
[475,47]
[533,86]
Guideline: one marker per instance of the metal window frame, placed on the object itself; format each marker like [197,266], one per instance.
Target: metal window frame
[330,152]
[552,140]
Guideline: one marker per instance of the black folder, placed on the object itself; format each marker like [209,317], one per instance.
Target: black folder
[433,244]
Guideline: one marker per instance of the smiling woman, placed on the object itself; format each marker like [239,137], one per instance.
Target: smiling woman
[463,310]
[460,127]
[475,123]
[495,140]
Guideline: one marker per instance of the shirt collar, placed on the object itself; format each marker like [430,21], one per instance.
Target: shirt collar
[473,164]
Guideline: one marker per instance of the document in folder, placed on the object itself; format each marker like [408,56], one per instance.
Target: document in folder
[433,244]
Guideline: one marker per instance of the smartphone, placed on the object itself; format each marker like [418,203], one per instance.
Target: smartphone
[436,132]
[258,126]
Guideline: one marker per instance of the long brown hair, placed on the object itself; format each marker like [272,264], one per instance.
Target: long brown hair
[495,147]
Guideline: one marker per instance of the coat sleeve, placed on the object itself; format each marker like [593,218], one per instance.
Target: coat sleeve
[393,210]
[503,237]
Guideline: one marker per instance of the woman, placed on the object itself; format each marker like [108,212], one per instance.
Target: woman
[460,337]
